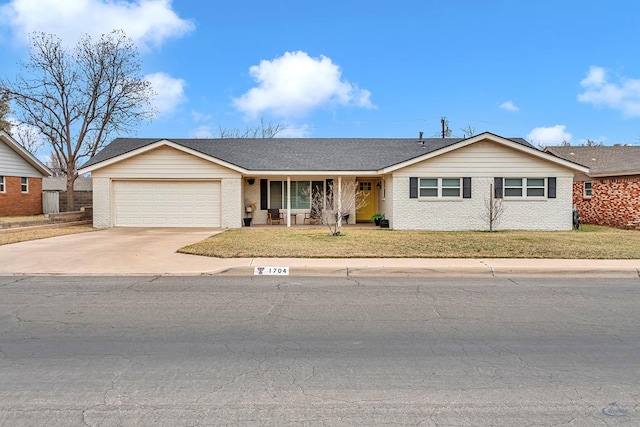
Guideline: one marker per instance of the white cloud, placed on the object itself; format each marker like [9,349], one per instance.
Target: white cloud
[295,84]
[169,92]
[509,106]
[599,91]
[294,131]
[197,116]
[554,135]
[148,22]
[203,132]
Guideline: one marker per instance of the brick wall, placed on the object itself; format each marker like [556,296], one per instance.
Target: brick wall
[14,202]
[614,202]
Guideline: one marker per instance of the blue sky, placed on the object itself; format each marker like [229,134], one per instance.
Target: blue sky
[547,71]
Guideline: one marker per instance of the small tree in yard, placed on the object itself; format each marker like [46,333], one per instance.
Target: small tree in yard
[493,209]
[78,98]
[332,206]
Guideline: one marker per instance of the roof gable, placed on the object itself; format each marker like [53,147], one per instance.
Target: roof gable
[28,158]
[517,144]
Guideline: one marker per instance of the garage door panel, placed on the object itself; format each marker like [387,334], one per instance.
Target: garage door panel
[167,203]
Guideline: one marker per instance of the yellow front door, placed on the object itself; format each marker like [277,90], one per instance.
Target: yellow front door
[364,214]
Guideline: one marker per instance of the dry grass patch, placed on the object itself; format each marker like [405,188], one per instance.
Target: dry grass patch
[591,242]
[21,218]
[42,233]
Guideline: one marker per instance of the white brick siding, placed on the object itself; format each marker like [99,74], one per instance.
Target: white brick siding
[101,202]
[231,203]
[470,214]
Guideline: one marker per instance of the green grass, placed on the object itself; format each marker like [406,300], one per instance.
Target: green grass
[591,242]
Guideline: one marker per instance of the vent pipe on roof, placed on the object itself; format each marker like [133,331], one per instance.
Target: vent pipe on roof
[420,139]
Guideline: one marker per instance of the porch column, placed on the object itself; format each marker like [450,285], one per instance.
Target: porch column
[288,201]
[339,218]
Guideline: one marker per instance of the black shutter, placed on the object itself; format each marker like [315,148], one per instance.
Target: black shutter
[413,187]
[466,188]
[551,187]
[497,187]
[263,195]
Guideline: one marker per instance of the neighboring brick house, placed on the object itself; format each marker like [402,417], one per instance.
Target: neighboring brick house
[609,194]
[20,179]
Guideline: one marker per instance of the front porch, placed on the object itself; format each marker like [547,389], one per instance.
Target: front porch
[358,225]
[291,200]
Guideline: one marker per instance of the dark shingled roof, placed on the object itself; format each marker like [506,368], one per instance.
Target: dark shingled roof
[602,160]
[298,154]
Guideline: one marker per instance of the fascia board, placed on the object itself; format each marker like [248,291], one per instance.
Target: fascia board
[612,174]
[494,138]
[309,173]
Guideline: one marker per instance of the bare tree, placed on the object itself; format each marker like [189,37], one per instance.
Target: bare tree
[5,124]
[29,137]
[77,99]
[493,209]
[330,207]
[263,130]
[53,163]
[468,131]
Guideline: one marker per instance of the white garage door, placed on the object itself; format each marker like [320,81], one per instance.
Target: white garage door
[167,203]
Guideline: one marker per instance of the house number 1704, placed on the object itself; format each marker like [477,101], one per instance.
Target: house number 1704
[271,271]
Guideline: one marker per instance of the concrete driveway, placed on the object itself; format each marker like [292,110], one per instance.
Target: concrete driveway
[113,251]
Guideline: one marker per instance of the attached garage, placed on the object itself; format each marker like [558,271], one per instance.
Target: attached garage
[154,203]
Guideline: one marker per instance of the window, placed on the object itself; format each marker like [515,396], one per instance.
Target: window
[300,191]
[2,185]
[24,183]
[439,187]
[524,187]
[588,190]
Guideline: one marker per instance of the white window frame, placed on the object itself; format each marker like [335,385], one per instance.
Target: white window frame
[24,184]
[3,184]
[439,187]
[524,188]
[587,193]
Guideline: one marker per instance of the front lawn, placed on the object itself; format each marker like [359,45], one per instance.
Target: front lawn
[591,242]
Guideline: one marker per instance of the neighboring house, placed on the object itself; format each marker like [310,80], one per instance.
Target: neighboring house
[82,193]
[428,184]
[21,176]
[609,194]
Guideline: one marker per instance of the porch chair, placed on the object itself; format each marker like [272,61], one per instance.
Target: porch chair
[312,217]
[274,217]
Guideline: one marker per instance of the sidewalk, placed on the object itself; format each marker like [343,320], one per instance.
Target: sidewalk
[412,267]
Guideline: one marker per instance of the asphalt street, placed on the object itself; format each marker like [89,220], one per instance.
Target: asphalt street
[314,351]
